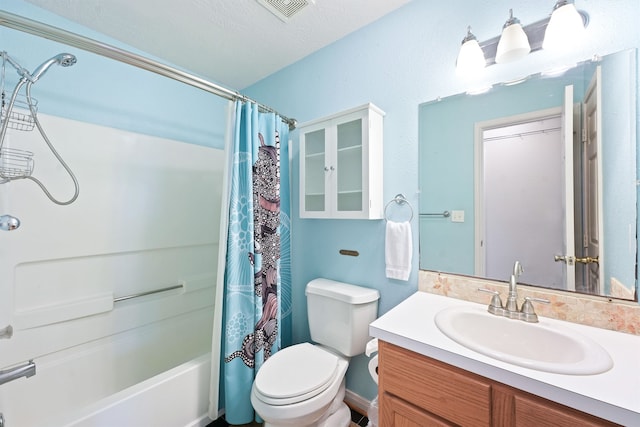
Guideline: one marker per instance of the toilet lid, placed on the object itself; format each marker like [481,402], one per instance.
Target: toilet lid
[296,373]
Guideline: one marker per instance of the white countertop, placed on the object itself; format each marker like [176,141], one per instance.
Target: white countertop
[613,395]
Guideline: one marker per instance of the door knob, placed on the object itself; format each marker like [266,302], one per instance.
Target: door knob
[567,259]
[588,260]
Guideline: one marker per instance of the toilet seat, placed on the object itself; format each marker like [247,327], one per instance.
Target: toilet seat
[295,374]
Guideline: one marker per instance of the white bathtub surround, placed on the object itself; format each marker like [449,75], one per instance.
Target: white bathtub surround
[601,312]
[66,269]
[610,395]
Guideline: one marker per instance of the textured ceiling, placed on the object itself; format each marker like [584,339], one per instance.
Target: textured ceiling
[232,42]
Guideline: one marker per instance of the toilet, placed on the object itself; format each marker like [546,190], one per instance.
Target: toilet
[304,385]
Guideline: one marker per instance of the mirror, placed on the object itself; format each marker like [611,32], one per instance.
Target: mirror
[515,169]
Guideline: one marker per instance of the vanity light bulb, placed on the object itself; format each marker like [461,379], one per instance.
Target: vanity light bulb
[565,28]
[514,43]
[471,59]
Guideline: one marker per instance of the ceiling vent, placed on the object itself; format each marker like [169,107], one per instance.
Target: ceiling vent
[285,9]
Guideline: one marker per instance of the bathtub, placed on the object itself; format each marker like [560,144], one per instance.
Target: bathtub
[178,397]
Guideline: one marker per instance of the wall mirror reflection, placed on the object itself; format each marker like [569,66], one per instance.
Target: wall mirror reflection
[542,171]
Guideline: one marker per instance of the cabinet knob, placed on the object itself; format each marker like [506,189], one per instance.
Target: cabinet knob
[328,168]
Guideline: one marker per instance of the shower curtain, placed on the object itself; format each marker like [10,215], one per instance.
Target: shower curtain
[257,288]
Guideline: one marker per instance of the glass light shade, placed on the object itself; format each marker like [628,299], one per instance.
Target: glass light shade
[565,28]
[513,44]
[470,58]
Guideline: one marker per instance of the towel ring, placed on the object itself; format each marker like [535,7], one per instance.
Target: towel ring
[401,200]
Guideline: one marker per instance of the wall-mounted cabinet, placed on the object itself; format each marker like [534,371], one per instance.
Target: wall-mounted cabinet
[341,165]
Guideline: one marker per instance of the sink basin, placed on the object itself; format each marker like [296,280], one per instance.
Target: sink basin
[549,348]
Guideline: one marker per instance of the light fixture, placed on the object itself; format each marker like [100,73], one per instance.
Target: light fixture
[514,43]
[470,58]
[565,27]
[517,41]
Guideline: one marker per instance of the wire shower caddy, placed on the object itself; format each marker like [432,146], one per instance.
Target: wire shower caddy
[15,163]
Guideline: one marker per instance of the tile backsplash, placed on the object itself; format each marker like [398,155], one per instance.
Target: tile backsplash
[601,312]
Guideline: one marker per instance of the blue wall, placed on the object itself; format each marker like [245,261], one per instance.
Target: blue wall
[399,62]
[103,91]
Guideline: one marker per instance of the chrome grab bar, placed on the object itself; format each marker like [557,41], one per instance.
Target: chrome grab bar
[142,294]
[27,370]
[445,214]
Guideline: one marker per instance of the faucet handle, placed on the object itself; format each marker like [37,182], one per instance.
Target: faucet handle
[495,306]
[528,314]
[542,300]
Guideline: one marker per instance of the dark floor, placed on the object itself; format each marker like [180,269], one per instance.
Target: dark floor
[357,420]
[220,422]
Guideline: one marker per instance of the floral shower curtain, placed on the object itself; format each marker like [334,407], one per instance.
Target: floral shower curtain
[257,292]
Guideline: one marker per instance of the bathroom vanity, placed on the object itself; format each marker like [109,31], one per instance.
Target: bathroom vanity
[418,390]
[426,378]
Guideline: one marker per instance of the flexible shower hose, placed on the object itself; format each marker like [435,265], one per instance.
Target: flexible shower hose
[34,114]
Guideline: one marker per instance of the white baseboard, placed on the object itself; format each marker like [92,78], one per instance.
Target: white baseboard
[357,401]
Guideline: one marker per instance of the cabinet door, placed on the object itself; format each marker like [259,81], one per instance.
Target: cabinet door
[449,393]
[512,407]
[349,172]
[341,165]
[313,175]
[531,411]
[398,413]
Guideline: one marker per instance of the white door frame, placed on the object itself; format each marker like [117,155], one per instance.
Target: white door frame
[480,127]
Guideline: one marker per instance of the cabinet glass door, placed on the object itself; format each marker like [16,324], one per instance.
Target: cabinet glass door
[314,174]
[349,162]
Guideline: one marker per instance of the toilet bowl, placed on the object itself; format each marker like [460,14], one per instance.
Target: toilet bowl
[304,385]
[301,386]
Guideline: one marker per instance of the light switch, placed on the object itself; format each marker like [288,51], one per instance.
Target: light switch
[457,216]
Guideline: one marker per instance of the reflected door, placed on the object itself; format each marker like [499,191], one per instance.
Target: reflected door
[521,210]
[592,183]
[568,256]
[524,203]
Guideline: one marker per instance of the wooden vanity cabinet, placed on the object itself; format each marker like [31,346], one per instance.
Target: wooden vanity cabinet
[417,391]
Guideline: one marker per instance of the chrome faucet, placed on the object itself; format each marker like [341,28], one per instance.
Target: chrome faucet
[510,310]
[512,299]
[26,370]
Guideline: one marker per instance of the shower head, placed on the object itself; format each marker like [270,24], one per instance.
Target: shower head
[62,59]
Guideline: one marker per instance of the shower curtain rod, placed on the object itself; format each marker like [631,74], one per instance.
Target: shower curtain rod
[46,31]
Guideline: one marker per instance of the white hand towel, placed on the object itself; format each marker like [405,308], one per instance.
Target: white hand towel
[398,250]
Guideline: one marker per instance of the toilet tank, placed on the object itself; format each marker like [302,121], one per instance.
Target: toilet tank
[340,313]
